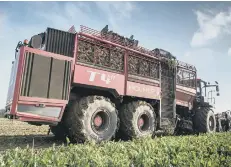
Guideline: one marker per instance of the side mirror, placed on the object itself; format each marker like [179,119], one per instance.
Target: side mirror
[217,88]
[218,94]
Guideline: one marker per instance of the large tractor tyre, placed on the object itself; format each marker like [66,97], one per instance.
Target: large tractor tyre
[226,125]
[137,119]
[205,121]
[60,131]
[92,118]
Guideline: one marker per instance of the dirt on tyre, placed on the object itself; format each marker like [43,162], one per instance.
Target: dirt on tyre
[92,118]
[205,121]
[137,119]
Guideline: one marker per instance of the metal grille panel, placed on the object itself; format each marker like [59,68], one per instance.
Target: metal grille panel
[100,54]
[186,78]
[138,65]
[60,42]
[45,77]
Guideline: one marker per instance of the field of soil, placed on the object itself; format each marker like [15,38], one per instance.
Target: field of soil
[14,133]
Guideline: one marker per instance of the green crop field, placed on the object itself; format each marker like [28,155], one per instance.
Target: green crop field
[205,150]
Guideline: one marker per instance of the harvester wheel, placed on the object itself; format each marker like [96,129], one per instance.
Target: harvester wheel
[92,118]
[138,119]
[60,131]
[205,121]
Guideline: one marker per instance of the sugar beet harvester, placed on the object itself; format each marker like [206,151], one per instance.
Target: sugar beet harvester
[95,85]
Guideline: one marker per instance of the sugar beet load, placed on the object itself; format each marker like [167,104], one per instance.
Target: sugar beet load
[95,85]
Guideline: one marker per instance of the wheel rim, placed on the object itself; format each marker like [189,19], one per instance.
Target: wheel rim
[100,121]
[211,123]
[143,122]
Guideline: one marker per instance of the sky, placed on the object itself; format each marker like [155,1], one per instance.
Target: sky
[198,33]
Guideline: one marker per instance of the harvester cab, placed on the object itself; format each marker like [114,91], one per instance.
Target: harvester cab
[204,119]
[205,92]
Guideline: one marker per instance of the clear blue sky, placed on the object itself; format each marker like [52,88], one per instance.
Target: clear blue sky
[195,32]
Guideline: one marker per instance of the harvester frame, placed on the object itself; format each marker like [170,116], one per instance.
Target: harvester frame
[105,68]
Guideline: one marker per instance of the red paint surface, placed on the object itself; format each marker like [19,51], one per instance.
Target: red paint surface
[47,54]
[183,103]
[142,90]
[101,78]
[183,89]
[75,52]
[35,118]
[42,100]
[184,98]
[18,81]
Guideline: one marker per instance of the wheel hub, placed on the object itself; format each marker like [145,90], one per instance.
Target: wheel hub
[211,123]
[98,120]
[143,122]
